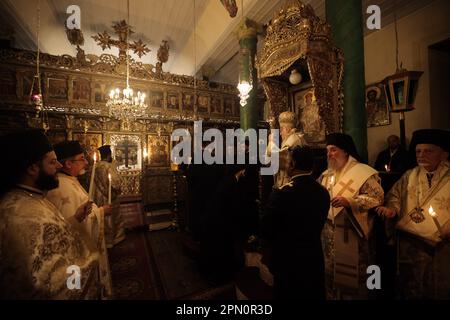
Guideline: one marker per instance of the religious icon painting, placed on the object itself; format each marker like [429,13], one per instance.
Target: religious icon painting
[100,92]
[229,104]
[156,99]
[173,102]
[81,90]
[203,104]
[377,109]
[158,150]
[188,102]
[309,116]
[126,151]
[56,136]
[216,105]
[57,88]
[89,141]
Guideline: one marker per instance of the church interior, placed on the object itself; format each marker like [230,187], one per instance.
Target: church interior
[369,69]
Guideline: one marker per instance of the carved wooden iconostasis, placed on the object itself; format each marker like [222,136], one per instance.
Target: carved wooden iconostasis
[75,91]
[297,39]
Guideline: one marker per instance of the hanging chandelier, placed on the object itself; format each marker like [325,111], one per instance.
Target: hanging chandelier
[124,104]
[245,84]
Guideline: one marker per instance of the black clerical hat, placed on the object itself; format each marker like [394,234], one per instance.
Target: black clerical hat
[344,142]
[20,150]
[67,149]
[105,151]
[438,137]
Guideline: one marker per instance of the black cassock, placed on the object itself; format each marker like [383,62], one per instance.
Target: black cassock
[229,219]
[292,225]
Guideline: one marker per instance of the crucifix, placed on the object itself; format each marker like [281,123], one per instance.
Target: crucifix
[104,40]
[125,147]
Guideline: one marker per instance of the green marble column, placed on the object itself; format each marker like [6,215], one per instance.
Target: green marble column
[247,33]
[346,20]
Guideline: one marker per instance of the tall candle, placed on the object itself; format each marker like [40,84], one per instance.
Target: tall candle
[434,216]
[109,188]
[91,185]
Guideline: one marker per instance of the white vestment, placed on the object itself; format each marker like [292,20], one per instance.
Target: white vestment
[68,197]
[38,247]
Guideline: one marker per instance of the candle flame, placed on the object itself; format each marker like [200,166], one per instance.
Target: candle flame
[95,157]
[386,167]
[431,212]
[109,176]
[145,153]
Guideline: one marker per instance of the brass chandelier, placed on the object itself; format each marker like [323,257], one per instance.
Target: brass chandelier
[124,104]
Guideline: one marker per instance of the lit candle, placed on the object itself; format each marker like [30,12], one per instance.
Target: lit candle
[434,216]
[386,167]
[109,188]
[91,185]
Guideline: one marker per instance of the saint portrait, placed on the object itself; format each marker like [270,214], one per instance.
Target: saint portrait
[229,107]
[310,120]
[89,141]
[216,105]
[156,99]
[376,106]
[81,90]
[57,89]
[158,150]
[202,105]
[188,102]
[172,101]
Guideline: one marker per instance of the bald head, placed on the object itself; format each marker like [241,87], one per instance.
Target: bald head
[393,142]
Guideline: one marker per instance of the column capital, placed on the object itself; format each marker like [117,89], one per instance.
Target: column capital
[248,28]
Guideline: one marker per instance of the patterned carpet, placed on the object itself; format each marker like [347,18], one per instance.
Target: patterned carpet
[154,265]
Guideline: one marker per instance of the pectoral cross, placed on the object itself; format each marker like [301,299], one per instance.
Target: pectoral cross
[120,28]
[346,186]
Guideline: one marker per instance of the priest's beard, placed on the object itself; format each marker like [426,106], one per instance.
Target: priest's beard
[46,181]
[336,164]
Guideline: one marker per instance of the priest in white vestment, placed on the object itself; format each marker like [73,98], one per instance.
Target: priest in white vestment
[106,191]
[41,255]
[419,207]
[347,236]
[290,137]
[70,194]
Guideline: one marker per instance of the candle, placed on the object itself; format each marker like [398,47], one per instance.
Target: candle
[145,153]
[434,216]
[91,185]
[109,188]
[386,167]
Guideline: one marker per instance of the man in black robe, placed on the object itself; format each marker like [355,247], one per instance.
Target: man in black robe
[292,225]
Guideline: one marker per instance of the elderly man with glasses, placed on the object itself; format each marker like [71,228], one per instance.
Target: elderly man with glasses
[70,194]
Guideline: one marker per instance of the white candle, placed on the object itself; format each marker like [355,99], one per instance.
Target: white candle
[91,185]
[109,188]
[434,216]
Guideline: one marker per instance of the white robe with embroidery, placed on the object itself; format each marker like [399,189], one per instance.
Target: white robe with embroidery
[348,250]
[37,245]
[423,257]
[114,225]
[69,196]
